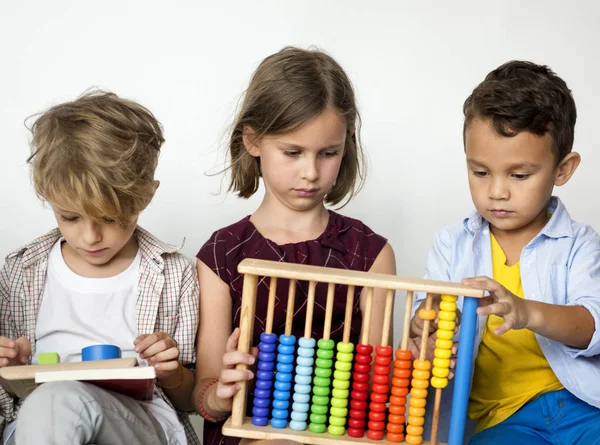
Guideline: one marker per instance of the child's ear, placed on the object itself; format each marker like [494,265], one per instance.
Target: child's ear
[250,140]
[156,185]
[566,168]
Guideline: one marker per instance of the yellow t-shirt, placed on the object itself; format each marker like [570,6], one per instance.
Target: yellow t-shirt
[510,370]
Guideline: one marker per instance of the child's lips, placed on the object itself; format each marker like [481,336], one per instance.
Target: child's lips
[500,212]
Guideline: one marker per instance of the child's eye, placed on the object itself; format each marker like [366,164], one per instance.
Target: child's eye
[291,153]
[521,176]
[69,218]
[108,220]
[330,154]
[480,173]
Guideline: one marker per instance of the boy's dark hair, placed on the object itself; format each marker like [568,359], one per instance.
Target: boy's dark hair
[522,96]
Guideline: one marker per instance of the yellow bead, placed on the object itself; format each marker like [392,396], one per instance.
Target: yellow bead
[439,383]
[417,393]
[441,372]
[448,316]
[420,384]
[413,440]
[418,403]
[418,412]
[414,430]
[419,374]
[444,335]
[416,421]
[447,325]
[442,353]
[422,365]
[448,306]
[449,298]
[441,362]
[443,344]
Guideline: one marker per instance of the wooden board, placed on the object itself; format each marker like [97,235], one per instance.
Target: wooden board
[249,431]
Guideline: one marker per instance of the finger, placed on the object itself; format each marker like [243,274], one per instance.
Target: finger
[233,358]
[6,342]
[232,341]
[3,362]
[413,348]
[254,352]
[23,348]
[8,352]
[171,354]
[235,375]
[504,327]
[484,282]
[485,301]
[499,309]
[158,347]
[227,391]
[171,365]
[147,341]
[140,338]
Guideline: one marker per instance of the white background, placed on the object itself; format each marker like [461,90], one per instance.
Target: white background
[412,64]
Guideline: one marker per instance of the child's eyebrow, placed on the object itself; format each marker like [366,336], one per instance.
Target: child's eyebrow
[299,147]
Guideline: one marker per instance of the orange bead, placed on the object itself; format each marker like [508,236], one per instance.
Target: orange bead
[399,409]
[400,383]
[399,392]
[413,440]
[416,421]
[394,437]
[427,314]
[418,393]
[418,403]
[395,418]
[402,373]
[402,364]
[414,430]
[417,412]
[395,427]
[403,354]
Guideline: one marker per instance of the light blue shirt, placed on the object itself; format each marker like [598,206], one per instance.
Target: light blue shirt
[561,265]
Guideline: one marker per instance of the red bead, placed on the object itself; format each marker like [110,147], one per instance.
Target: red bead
[357,414]
[362,358]
[374,415]
[376,426]
[383,360]
[382,370]
[364,349]
[361,367]
[356,423]
[377,407]
[356,432]
[360,386]
[379,398]
[384,350]
[381,379]
[380,389]
[361,377]
[375,435]
[359,395]
[358,404]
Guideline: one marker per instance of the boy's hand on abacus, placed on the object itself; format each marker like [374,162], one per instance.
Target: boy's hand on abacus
[229,377]
[14,352]
[417,323]
[500,302]
[161,351]
[414,346]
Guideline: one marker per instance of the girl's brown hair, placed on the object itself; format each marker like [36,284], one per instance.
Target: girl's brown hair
[288,89]
[96,156]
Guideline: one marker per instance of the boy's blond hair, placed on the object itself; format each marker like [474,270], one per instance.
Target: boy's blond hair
[96,156]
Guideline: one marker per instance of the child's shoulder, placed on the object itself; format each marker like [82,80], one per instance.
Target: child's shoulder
[159,251]
[33,251]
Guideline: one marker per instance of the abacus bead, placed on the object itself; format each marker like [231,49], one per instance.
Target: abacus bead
[337,421]
[285,367]
[320,400]
[280,414]
[285,349]
[300,407]
[356,423]
[341,375]
[376,426]
[343,366]
[282,386]
[278,423]
[359,404]
[321,390]
[345,347]
[361,377]
[283,377]
[299,416]
[260,421]
[306,342]
[302,389]
[343,384]
[325,344]
[336,430]
[360,358]
[266,366]
[302,379]
[302,398]
[264,384]
[338,412]
[379,417]
[260,412]
[364,349]
[305,361]
[403,354]
[261,403]
[340,393]
[287,340]
[383,360]
[323,363]
[323,372]
[339,403]
[318,418]
[317,427]
[357,414]
[268,338]
[325,353]
[344,356]
[362,368]
[267,347]
[297,425]
[281,395]
[286,358]
[306,352]
[262,393]
[319,409]
[281,404]
[303,370]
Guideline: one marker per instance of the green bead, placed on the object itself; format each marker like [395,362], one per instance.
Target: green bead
[344,356]
[324,353]
[339,403]
[325,344]
[319,409]
[345,347]
[340,393]
[342,375]
[321,390]
[323,372]
[317,427]
[342,366]
[337,421]
[341,384]
[324,363]
[336,430]
[338,412]
[321,381]
[320,400]
[318,418]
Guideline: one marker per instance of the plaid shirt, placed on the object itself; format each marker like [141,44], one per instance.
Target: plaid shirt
[167,302]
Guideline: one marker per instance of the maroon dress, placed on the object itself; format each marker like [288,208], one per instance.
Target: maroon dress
[346,244]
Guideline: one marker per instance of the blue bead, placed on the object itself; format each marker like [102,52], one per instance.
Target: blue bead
[285,367]
[303,379]
[262,393]
[264,375]
[268,338]
[281,404]
[307,342]
[305,361]
[260,412]
[262,403]
[306,352]
[302,389]
[266,356]
[302,398]
[299,417]
[303,370]
[280,414]
[300,407]
[264,384]
[286,358]
[283,377]
[278,423]
[281,395]
[283,386]
[266,366]
[297,426]
[287,339]
[267,347]
[260,421]
[285,349]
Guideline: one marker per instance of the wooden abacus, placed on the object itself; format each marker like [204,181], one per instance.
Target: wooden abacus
[338,412]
